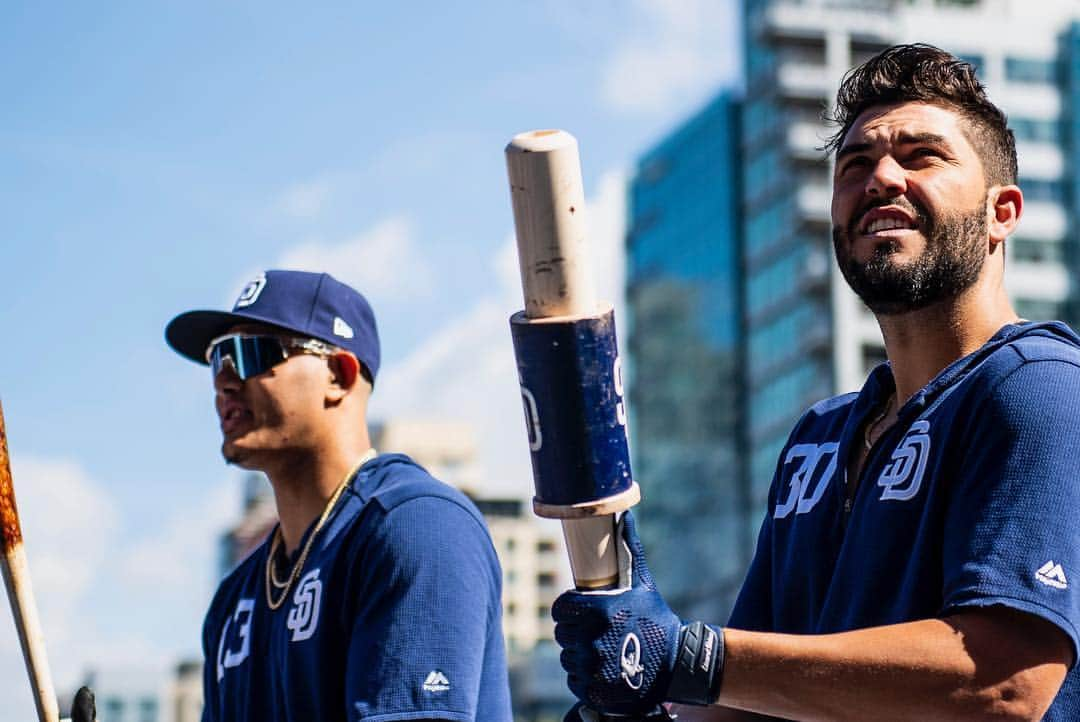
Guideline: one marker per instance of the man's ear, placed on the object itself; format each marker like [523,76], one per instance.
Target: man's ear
[345,374]
[1004,206]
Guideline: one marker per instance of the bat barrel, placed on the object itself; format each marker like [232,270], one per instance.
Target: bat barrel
[549,214]
[568,363]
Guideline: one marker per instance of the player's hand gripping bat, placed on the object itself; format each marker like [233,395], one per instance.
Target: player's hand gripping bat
[17,581]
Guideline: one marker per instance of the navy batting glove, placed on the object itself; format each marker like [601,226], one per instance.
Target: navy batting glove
[625,652]
[83,709]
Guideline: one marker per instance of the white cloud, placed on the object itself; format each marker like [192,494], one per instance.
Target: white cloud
[174,559]
[682,55]
[373,260]
[68,522]
[467,371]
[106,600]
[306,200]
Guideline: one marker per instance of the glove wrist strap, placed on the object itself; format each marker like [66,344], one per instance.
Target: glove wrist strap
[698,665]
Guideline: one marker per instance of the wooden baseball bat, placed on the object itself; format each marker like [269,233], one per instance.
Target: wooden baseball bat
[17,581]
[548,198]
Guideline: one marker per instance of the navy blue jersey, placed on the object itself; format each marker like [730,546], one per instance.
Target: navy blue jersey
[969,500]
[396,615]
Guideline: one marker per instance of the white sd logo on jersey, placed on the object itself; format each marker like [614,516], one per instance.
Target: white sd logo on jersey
[304,616]
[903,476]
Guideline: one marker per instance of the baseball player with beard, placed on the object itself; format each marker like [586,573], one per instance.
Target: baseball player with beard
[377,596]
[920,555]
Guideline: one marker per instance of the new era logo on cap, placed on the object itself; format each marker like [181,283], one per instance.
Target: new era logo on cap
[341,328]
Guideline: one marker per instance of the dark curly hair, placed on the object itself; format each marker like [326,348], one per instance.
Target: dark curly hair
[923,73]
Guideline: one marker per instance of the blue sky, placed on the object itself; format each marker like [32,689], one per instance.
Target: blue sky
[157,155]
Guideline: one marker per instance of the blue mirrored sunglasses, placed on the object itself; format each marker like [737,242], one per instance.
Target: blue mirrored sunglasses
[251,354]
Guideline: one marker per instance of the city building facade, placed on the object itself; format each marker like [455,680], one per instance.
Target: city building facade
[684,302]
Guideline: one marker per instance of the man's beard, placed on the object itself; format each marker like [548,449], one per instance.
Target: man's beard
[949,264]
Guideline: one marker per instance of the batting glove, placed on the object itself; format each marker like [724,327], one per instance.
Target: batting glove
[625,651]
[83,709]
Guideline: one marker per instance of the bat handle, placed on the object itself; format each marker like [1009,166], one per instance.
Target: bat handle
[592,545]
[21,595]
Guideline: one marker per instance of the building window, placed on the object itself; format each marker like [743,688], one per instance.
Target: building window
[872,356]
[1028,70]
[1038,310]
[975,61]
[545,545]
[545,579]
[804,51]
[1029,250]
[1037,189]
[114,708]
[148,709]
[1043,131]
[772,285]
[863,50]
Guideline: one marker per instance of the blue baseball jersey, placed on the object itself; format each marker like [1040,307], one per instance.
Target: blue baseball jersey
[395,615]
[969,500]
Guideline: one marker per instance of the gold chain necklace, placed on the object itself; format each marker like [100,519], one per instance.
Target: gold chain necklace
[874,424]
[276,541]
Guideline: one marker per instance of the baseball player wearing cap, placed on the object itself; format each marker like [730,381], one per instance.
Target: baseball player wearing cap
[377,597]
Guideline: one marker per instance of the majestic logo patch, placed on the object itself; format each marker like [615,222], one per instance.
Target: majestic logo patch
[903,476]
[235,643]
[633,671]
[304,616]
[341,328]
[436,682]
[1052,575]
[805,492]
[251,292]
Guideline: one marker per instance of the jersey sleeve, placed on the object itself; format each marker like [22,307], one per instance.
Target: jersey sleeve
[1012,531]
[429,600]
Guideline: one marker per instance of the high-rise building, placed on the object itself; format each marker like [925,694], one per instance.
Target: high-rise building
[684,344]
[803,334]
[185,694]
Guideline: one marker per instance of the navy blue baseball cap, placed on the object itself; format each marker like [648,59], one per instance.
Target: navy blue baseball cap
[312,305]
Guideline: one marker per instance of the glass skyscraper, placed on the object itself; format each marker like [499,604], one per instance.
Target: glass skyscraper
[751,228]
[684,342]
